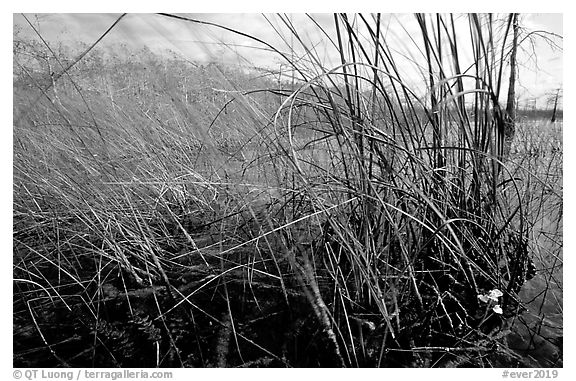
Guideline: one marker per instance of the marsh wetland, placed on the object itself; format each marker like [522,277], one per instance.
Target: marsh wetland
[174,213]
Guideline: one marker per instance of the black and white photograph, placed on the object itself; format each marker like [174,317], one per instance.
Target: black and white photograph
[287,190]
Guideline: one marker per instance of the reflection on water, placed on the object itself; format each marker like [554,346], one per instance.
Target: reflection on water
[537,334]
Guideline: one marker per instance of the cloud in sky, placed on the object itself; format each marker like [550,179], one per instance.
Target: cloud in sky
[540,68]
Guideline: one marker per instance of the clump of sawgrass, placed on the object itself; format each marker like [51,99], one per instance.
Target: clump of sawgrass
[346,217]
[409,194]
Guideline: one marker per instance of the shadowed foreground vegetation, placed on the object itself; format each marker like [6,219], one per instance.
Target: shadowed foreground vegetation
[172,214]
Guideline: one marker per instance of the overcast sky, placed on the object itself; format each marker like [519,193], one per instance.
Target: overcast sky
[540,73]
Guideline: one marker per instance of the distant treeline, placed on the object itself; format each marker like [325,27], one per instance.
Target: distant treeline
[146,72]
[539,114]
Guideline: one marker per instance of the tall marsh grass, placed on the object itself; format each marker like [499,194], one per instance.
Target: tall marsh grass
[334,214]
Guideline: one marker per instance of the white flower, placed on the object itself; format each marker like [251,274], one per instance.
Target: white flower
[492,296]
[497,309]
[495,294]
[483,298]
